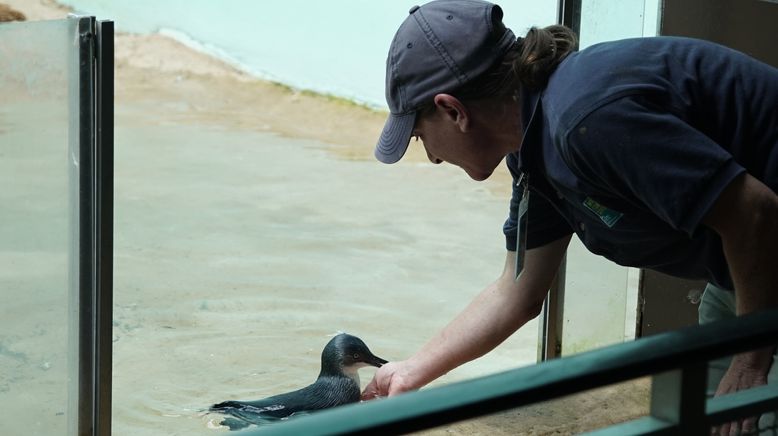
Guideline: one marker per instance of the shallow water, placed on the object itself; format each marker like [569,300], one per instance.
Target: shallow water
[238,254]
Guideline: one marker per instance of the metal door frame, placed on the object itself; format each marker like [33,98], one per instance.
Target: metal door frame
[551,319]
[95,225]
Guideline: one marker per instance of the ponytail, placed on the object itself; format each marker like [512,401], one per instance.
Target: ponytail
[529,62]
[540,53]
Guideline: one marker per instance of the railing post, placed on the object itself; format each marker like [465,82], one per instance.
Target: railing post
[103,191]
[678,397]
[552,318]
[86,223]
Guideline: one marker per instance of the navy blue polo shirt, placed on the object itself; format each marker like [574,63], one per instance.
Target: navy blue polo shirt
[631,143]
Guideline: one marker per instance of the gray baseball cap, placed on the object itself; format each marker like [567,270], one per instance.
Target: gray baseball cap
[439,47]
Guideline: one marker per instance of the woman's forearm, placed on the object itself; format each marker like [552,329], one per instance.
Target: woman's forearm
[746,218]
[497,312]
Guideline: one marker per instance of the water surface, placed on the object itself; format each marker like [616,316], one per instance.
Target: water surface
[239,254]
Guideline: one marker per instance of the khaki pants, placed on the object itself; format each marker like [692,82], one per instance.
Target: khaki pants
[718,304]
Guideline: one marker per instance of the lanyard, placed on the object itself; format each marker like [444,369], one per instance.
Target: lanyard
[521,225]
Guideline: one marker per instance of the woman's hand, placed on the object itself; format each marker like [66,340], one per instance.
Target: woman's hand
[391,379]
[747,370]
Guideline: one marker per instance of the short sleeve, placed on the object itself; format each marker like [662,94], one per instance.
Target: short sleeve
[544,223]
[652,158]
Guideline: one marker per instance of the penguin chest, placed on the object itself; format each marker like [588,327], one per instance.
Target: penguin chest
[336,391]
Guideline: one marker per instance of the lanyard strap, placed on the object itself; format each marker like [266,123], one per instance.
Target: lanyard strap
[521,225]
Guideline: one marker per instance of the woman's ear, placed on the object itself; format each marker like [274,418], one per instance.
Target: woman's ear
[453,110]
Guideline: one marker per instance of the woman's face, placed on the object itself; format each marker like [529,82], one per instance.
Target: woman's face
[475,139]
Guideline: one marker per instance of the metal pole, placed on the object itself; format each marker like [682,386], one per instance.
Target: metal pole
[104,156]
[86,248]
[552,319]
[570,14]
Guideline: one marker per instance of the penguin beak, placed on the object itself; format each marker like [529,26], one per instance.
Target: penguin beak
[375,361]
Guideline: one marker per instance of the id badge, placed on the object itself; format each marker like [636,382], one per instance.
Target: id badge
[521,227]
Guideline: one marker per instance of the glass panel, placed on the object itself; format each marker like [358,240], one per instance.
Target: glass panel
[594,284]
[238,253]
[606,20]
[35,231]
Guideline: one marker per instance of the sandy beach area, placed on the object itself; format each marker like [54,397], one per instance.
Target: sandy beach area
[247,215]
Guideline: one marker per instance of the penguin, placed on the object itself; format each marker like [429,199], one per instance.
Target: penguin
[337,384]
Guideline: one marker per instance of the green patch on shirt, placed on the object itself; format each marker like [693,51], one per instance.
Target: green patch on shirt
[609,216]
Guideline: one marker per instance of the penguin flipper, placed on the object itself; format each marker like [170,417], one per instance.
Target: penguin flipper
[242,414]
[234,423]
[218,407]
[240,418]
[264,408]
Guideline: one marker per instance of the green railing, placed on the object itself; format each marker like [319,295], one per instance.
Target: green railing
[676,360]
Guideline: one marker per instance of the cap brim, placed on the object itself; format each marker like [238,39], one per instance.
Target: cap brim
[395,137]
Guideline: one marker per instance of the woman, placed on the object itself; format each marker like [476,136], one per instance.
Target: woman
[658,153]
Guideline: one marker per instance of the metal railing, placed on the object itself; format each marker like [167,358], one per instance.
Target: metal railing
[95,221]
[676,361]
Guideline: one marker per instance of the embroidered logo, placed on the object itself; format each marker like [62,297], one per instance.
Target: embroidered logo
[609,216]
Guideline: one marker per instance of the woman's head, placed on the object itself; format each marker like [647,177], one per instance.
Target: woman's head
[440,46]
[476,125]
[454,73]
[468,136]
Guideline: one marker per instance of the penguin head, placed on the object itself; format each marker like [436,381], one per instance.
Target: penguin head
[345,354]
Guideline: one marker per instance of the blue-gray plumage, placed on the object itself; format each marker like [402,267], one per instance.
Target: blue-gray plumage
[337,384]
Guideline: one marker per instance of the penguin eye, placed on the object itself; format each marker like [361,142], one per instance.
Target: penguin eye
[355,356]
